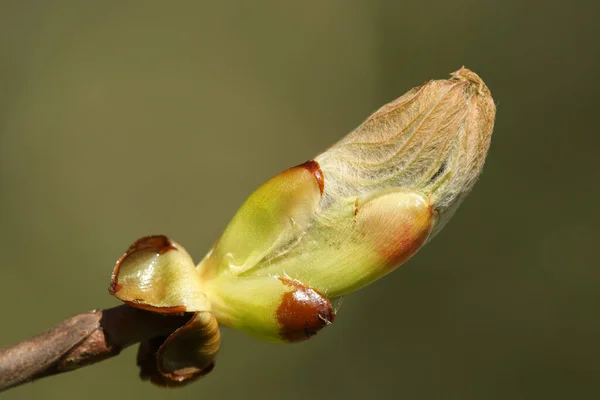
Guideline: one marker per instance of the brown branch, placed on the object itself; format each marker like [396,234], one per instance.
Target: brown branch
[81,340]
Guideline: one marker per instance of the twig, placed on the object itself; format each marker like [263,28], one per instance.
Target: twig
[81,340]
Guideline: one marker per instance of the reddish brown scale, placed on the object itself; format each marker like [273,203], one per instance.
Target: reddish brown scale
[314,168]
[303,312]
[398,237]
[398,252]
[406,249]
[160,243]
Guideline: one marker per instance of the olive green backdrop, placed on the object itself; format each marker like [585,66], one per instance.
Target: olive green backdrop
[120,119]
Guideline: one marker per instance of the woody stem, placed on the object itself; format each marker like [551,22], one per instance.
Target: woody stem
[81,340]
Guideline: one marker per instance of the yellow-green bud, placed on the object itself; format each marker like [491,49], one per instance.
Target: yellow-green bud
[317,231]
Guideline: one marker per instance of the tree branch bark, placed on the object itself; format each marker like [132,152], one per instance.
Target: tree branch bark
[82,340]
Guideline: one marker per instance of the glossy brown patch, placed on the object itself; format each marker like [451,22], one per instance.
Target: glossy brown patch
[160,243]
[314,168]
[303,312]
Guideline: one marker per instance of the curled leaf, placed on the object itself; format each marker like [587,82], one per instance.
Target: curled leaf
[157,274]
[184,356]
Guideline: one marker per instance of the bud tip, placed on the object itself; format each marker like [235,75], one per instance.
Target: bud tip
[466,75]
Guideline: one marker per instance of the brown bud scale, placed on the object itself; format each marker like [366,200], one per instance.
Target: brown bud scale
[303,312]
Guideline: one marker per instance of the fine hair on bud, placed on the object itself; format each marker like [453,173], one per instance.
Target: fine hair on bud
[432,140]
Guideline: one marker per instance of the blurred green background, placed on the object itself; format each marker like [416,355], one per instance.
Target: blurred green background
[120,119]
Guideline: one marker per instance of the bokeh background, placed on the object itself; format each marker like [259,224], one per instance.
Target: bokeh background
[120,119]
